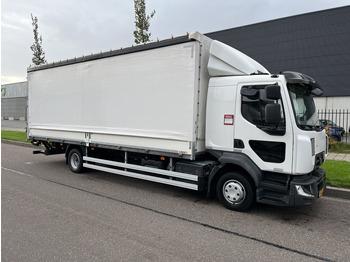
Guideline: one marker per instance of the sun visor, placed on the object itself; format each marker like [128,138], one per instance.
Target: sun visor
[227,61]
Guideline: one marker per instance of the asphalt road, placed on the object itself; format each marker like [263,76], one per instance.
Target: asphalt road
[51,214]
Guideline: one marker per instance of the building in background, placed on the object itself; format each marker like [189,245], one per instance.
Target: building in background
[14,101]
[316,44]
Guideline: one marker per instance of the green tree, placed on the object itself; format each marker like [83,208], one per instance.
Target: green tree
[36,47]
[142,22]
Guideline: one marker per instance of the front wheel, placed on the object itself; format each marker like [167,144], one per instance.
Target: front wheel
[75,160]
[235,191]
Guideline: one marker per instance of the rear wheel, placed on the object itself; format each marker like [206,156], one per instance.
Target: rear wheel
[235,191]
[75,160]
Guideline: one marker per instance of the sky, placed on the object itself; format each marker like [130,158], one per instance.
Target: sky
[73,28]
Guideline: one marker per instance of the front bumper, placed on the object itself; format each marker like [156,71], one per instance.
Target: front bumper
[307,189]
[299,191]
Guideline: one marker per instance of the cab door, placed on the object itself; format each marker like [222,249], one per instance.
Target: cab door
[268,142]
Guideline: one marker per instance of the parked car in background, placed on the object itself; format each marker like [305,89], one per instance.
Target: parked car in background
[332,125]
[334,136]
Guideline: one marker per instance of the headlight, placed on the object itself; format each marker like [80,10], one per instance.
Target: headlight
[301,191]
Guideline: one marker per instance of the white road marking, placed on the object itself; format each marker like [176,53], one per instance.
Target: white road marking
[17,172]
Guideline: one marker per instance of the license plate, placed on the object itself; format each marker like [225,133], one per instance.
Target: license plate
[321,192]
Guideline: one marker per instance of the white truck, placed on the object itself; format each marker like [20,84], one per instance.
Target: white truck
[189,112]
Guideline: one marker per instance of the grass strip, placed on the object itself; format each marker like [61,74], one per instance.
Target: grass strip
[340,148]
[14,135]
[337,172]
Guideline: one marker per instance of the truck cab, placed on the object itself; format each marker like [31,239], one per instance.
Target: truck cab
[264,127]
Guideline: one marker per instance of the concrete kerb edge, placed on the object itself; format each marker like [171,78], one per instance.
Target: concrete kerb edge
[337,192]
[17,143]
[330,191]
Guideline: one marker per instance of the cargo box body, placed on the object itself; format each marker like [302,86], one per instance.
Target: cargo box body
[143,99]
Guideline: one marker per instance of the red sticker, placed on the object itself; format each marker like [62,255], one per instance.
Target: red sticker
[228,120]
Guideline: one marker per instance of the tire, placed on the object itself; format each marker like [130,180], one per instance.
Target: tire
[75,160]
[235,191]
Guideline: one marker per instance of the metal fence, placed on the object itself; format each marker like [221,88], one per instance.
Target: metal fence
[338,121]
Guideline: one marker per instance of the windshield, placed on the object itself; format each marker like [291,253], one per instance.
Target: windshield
[329,122]
[304,107]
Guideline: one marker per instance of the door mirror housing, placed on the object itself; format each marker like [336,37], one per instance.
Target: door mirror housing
[273,92]
[273,114]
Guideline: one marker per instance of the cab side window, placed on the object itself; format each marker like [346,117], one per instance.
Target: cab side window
[253,105]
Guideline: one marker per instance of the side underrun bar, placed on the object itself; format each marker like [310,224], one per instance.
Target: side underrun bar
[142,172]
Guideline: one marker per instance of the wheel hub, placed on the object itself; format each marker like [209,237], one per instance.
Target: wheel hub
[75,161]
[234,192]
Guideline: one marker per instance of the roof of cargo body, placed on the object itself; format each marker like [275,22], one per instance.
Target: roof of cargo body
[121,51]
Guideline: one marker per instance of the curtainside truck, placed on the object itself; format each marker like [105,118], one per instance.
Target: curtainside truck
[189,112]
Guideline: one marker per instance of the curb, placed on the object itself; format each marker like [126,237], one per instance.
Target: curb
[330,191]
[337,192]
[17,143]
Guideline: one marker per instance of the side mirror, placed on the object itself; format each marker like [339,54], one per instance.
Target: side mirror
[273,114]
[273,92]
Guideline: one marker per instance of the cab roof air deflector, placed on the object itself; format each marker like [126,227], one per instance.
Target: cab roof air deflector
[299,78]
